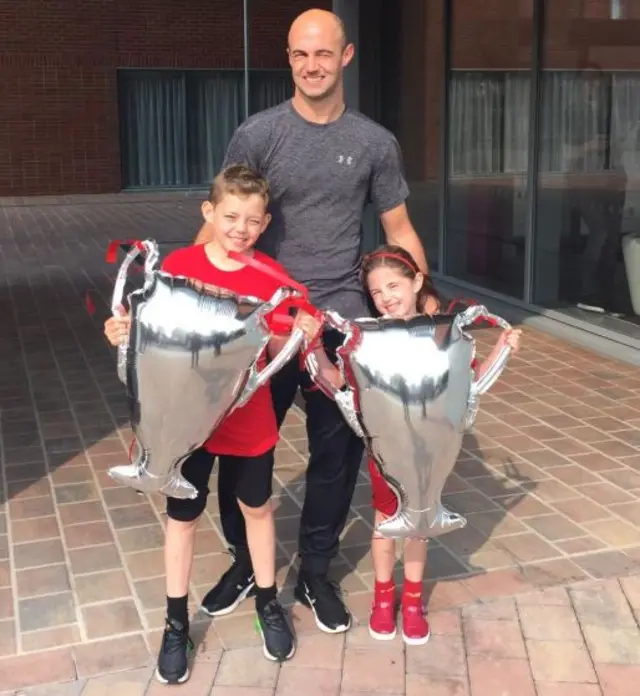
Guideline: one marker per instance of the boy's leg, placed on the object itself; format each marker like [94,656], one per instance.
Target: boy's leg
[237,583]
[254,488]
[182,519]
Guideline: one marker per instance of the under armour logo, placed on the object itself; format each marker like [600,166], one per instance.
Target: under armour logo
[345,160]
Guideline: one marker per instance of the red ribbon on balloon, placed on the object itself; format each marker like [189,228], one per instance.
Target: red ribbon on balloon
[281,321]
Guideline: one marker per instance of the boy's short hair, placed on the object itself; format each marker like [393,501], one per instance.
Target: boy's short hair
[239,180]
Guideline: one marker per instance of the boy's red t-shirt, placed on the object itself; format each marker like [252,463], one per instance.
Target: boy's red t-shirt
[250,430]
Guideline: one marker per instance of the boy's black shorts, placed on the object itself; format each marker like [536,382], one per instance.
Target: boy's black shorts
[252,477]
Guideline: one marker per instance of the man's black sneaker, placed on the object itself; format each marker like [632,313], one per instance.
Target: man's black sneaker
[277,638]
[324,599]
[173,659]
[234,586]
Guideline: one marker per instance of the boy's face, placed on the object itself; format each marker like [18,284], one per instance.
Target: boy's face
[236,221]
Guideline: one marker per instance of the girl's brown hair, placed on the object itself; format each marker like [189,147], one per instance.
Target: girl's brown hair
[397,258]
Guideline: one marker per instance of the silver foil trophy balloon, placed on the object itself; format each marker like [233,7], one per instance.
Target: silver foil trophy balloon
[410,394]
[191,358]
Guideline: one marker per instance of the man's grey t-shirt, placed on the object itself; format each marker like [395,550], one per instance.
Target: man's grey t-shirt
[321,176]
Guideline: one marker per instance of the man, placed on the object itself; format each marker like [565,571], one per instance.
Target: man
[323,161]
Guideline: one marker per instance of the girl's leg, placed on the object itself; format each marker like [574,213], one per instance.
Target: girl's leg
[383,554]
[415,628]
[415,560]
[382,622]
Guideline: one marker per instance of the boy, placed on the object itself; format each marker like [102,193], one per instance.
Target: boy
[244,442]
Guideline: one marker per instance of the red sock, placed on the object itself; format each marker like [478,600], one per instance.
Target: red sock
[384,591]
[412,592]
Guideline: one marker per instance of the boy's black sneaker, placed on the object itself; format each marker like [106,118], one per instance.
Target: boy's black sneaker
[324,599]
[235,585]
[173,659]
[278,643]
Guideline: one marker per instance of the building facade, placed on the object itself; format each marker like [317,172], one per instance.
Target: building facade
[97,96]
[520,125]
[519,122]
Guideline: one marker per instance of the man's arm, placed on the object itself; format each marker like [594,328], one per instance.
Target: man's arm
[203,235]
[389,191]
[240,151]
[399,230]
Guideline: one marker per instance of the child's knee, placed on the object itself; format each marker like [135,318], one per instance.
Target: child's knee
[256,513]
[178,526]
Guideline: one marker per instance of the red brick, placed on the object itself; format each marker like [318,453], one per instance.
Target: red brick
[40,668]
[509,677]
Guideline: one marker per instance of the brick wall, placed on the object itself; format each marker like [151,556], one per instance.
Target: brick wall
[58,68]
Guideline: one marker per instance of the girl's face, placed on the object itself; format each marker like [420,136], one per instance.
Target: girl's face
[393,293]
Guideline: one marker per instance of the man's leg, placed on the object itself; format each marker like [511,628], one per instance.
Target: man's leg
[182,519]
[238,582]
[284,386]
[335,454]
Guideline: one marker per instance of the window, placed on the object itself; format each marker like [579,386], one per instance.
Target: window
[175,125]
[490,121]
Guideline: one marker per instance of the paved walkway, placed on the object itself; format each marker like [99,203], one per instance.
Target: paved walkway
[580,641]
[549,480]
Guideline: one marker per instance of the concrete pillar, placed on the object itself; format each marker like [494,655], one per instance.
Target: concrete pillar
[348,11]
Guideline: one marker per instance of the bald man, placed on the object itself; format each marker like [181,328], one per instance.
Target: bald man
[323,162]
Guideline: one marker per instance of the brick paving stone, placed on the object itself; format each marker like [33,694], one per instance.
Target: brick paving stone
[133,683]
[549,623]
[444,659]
[318,650]
[373,669]
[112,618]
[619,680]
[602,604]
[46,612]
[50,638]
[243,691]
[420,684]
[554,661]
[74,688]
[567,689]
[310,680]
[493,639]
[506,677]
[7,637]
[246,667]
[503,609]
[613,645]
[39,668]
[118,654]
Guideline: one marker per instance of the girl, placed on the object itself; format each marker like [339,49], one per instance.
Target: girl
[399,290]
